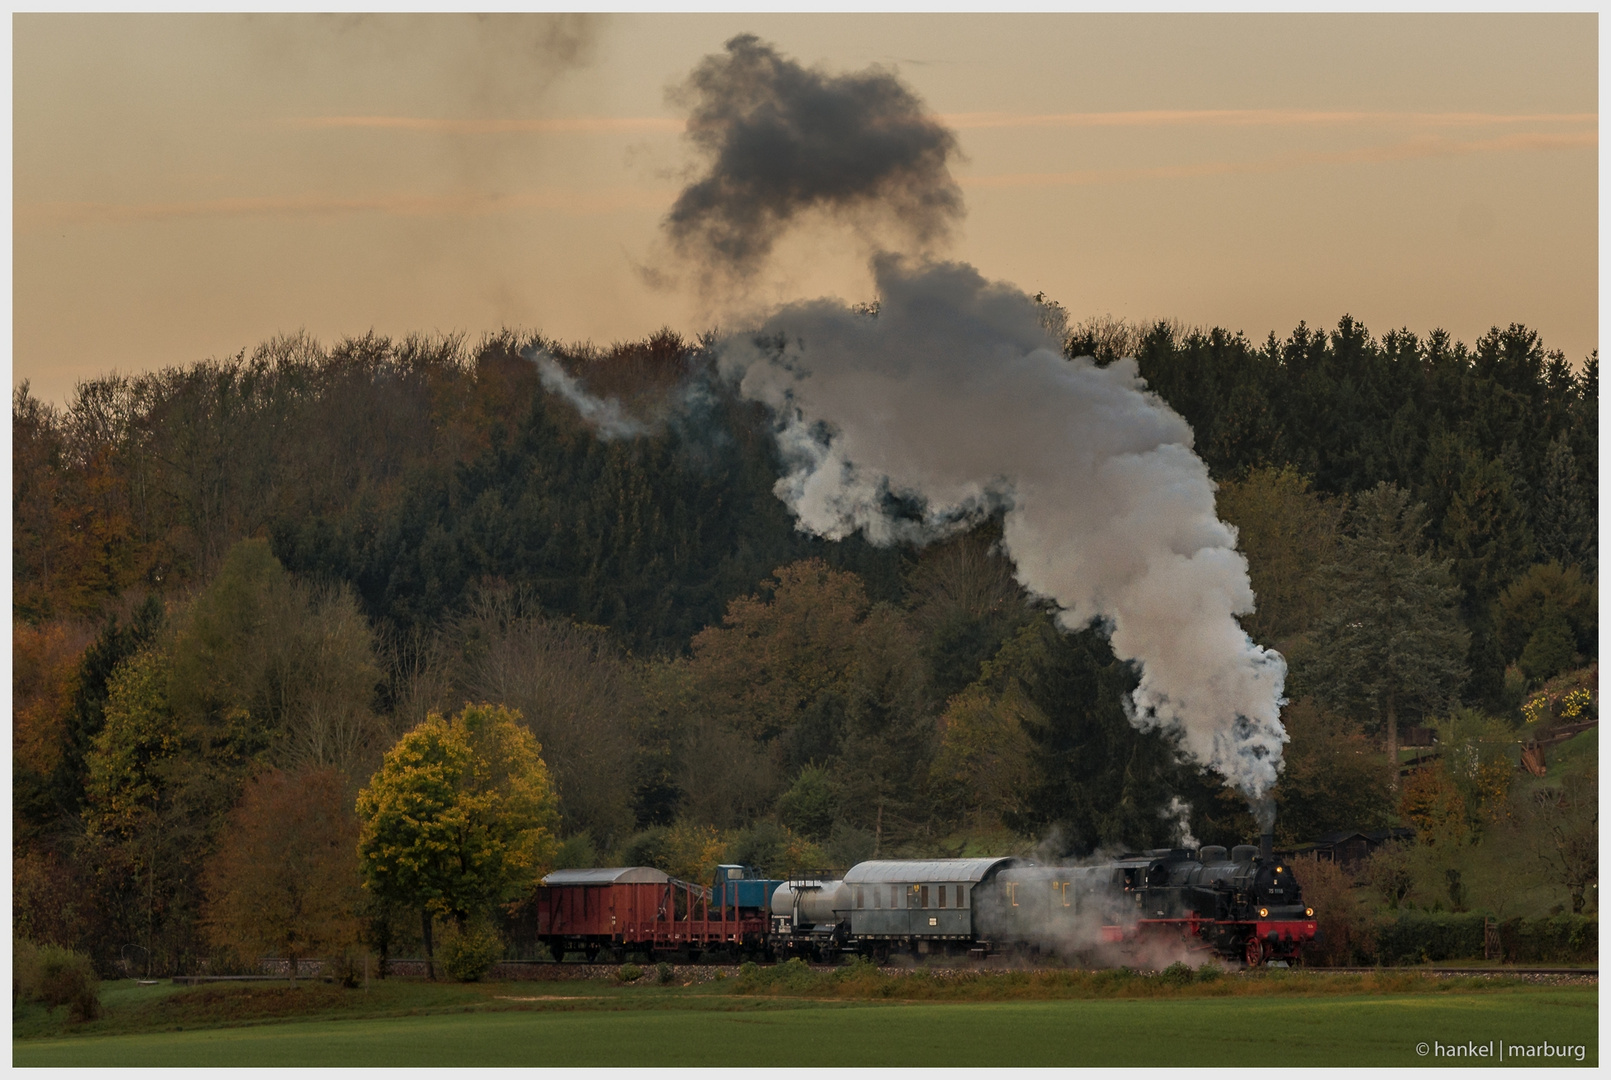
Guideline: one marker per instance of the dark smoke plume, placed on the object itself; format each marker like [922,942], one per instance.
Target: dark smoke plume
[782,139]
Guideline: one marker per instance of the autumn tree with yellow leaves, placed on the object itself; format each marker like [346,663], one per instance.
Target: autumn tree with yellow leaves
[461,817]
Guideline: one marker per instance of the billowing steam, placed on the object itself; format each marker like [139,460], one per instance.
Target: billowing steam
[782,139]
[953,400]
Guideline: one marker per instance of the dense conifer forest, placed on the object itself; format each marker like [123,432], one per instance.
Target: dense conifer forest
[249,578]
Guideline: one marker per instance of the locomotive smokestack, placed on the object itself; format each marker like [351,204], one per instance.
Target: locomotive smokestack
[1264,810]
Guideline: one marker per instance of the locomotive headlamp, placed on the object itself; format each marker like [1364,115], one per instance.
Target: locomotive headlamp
[1264,912]
[1278,869]
[1309,911]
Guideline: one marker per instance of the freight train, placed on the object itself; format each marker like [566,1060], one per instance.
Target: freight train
[1243,906]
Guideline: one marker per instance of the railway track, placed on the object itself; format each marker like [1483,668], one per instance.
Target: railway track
[1593,973]
[1589,972]
[549,971]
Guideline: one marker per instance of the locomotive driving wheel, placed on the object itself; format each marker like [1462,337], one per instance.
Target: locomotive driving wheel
[1254,953]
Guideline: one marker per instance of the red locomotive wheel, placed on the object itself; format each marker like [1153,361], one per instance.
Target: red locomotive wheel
[1255,952]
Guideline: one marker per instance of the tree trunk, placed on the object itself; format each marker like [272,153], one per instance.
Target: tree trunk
[425,931]
[1392,737]
[878,828]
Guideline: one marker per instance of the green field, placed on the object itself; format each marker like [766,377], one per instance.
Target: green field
[601,1025]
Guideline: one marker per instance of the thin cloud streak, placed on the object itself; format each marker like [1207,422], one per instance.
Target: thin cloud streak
[475,204]
[31,216]
[595,125]
[1254,118]
[1405,151]
[433,125]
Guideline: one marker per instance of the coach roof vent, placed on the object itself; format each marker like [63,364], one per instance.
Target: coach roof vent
[611,875]
[969,870]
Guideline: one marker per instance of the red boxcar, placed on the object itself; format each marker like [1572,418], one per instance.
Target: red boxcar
[636,908]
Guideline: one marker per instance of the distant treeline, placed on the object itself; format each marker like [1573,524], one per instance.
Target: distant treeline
[1500,442]
[285,560]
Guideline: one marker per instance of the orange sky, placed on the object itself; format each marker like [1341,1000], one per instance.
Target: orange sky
[187,186]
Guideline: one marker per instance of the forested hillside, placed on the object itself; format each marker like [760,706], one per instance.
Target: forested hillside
[277,564]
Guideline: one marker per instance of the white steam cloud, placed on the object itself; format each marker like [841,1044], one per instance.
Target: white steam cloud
[954,400]
[604,415]
[1179,813]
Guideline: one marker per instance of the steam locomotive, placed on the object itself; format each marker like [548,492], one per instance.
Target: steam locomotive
[1243,906]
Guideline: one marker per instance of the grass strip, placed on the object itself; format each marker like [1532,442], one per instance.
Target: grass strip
[1244,1031]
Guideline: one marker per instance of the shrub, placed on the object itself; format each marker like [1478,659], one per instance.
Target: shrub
[56,976]
[629,973]
[469,953]
[1418,937]
[24,955]
[347,967]
[1555,940]
[1177,974]
[792,975]
[663,973]
[1342,912]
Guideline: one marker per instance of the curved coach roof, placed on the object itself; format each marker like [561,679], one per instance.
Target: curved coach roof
[902,871]
[608,876]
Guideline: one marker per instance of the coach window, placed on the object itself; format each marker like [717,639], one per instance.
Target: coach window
[942,895]
[959,896]
[894,896]
[925,896]
[861,897]
[878,900]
